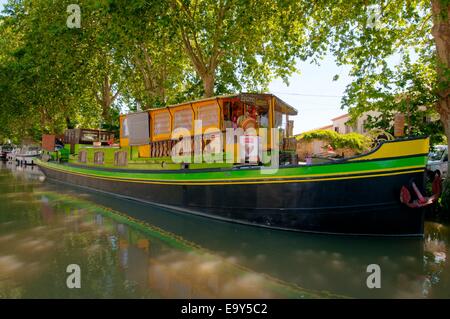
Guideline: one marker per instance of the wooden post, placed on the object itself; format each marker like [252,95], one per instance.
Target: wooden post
[286,129]
[399,125]
[408,115]
[271,122]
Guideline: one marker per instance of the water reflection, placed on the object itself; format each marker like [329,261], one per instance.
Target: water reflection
[127,249]
[436,265]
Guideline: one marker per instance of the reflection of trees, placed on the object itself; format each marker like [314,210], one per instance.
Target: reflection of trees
[50,231]
[436,265]
[177,274]
[120,257]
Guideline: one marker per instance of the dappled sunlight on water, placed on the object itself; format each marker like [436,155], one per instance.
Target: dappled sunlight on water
[130,250]
[116,259]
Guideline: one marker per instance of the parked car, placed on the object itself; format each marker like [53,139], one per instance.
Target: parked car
[438,160]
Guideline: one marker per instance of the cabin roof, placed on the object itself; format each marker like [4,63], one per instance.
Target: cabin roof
[285,107]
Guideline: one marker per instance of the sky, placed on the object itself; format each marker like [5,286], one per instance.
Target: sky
[312,92]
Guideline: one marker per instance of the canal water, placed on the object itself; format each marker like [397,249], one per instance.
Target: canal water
[125,249]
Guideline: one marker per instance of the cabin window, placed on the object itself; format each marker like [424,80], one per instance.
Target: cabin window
[263,119]
[237,114]
[106,137]
[99,158]
[138,128]
[161,124]
[248,120]
[245,115]
[209,115]
[183,119]
[363,126]
[125,131]
[279,121]
[227,119]
[89,137]
[82,157]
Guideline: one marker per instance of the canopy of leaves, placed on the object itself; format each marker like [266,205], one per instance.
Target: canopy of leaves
[136,55]
[391,47]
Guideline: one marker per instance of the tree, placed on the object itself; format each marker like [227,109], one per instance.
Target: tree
[413,97]
[244,42]
[368,35]
[147,52]
[58,77]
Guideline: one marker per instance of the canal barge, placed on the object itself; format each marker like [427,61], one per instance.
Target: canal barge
[359,195]
[27,155]
[5,150]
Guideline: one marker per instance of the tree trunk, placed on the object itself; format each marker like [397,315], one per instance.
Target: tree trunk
[444,112]
[69,123]
[106,98]
[441,34]
[208,84]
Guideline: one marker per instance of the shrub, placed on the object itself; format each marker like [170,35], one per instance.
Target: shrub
[354,141]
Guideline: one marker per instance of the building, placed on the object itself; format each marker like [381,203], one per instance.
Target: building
[341,123]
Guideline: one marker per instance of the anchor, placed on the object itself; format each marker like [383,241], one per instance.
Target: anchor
[421,201]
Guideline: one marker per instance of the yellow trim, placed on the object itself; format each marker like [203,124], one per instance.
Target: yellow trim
[144,151]
[221,119]
[398,149]
[271,122]
[123,141]
[298,176]
[189,182]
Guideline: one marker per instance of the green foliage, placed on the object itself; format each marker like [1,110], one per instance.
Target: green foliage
[143,54]
[398,53]
[354,141]
[44,68]
[408,90]
[134,55]
[236,45]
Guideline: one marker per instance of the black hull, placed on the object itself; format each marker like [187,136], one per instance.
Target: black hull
[358,206]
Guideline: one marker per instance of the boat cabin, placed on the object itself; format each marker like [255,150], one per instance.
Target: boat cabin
[243,123]
[152,130]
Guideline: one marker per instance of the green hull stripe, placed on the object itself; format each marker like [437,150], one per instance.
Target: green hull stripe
[239,174]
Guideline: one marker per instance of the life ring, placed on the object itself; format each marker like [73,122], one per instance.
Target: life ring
[248,123]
